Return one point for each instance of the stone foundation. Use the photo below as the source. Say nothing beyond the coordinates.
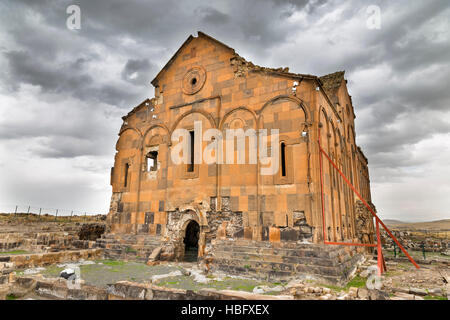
(283, 260)
(22, 261)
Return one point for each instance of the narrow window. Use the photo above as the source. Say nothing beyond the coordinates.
(127, 167)
(190, 167)
(152, 161)
(283, 159)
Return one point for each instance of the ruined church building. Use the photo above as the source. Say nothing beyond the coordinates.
(215, 207)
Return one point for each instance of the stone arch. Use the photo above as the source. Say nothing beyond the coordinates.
(162, 126)
(207, 115)
(287, 97)
(122, 134)
(179, 221)
(229, 113)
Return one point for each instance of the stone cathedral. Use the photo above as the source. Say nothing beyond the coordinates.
(230, 216)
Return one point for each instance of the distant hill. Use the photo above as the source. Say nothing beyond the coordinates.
(429, 225)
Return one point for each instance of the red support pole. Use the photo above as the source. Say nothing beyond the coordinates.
(361, 198)
(379, 254)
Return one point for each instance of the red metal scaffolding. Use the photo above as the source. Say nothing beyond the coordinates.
(381, 262)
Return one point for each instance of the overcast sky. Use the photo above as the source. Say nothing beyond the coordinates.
(63, 92)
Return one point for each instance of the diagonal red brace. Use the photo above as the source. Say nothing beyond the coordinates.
(378, 220)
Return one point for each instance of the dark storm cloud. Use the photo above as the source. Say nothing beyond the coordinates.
(212, 16)
(138, 71)
(25, 68)
(57, 60)
(66, 90)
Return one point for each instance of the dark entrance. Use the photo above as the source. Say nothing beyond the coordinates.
(191, 241)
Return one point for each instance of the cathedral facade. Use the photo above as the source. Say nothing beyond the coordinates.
(189, 205)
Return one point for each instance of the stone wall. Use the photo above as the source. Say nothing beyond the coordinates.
(283, 260)
(207, 82)
(22, 261)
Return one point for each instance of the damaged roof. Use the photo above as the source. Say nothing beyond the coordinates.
(331, 83)
(249, 64)
(140, 105)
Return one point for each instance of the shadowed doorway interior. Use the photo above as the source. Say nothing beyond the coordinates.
(191, 241)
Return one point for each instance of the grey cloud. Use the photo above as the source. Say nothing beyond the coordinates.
(212, 16)
(397, 76)
(56, 78)
(137, 71)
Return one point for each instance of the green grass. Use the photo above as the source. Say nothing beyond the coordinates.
(14, 252)
(357, 282)
(435, 298)
(111, 263)
(11, 297)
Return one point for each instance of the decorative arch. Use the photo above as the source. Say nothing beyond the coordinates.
(287, 97)
(125, 128)
(229, 113)
(121, 135)
(153, 127)
(207, 115)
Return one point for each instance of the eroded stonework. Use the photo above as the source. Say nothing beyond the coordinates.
(208, 82)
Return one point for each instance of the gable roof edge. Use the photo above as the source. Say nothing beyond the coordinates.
(154, 82)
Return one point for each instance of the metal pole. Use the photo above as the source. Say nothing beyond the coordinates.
(56, 217)
(379, 256)
(15, 212)
(71, 214)
(423, 250)
(370, 210)
(40, 209)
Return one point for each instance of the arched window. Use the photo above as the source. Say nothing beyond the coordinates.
(127, 168)
(152, 161)
(190, 166)
(283, 159)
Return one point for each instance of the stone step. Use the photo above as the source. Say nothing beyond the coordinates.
(311, 251)
(125, 245)
(267, 244)
(274, 275)
(282, 258)
(281, 266)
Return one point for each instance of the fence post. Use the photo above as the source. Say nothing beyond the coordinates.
(56, 217)
(40, 209)
(15, 212)
(71, 214)
(85, 216)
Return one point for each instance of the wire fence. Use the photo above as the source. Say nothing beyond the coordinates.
(43, 213)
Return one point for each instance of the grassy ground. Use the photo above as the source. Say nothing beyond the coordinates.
(357, 282)
(105, 272)
(418, 255)
(13, 252)
(188, 282)
(31, 217)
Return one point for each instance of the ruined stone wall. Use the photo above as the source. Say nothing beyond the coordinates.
(208, 82)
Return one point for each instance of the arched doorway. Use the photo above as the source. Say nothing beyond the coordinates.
(191, 241)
